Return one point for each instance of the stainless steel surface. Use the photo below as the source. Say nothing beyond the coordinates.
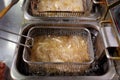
(109, 37)
(11, 21)
(6, 9)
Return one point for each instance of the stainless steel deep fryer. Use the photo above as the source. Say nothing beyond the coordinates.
(47, 68)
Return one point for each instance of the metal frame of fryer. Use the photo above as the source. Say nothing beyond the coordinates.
(17, 70)
(18, 73)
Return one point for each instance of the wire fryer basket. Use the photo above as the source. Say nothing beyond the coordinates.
(48, 68)
(34, 11)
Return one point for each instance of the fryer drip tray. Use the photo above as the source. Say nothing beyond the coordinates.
(104, 68)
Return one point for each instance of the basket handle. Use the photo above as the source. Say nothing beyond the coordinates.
(111, 57)
(110, 42)
(25, 45)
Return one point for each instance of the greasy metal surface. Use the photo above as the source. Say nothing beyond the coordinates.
(17, 70)
(6, 9)
(11, 21)
(109, 37)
